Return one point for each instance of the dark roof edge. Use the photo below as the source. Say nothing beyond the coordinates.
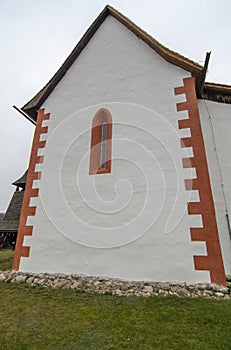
(21, 182)
(218, 87)
(217, 92)
(30, 107)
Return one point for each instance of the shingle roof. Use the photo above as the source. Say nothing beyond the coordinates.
(194, 68)
(11, 218)
(21, 182)
(217, 92)
(1, 216)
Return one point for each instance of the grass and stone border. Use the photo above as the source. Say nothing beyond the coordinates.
(115, 286)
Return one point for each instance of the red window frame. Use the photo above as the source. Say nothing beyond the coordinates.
(102, 116)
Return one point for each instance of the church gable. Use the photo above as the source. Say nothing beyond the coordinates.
(170, 56)
(124, 69)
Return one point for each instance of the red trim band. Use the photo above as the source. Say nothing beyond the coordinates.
(213, 261)
(27, 210)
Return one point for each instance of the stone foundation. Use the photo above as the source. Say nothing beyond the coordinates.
(115, 286)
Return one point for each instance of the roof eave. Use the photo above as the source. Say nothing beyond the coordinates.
(217, 92)
(36, 102)
(21, 182)
(219, 87)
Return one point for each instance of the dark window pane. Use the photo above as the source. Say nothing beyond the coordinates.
(103, 146)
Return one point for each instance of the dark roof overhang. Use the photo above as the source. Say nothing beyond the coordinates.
(217, 92)
(21, 182)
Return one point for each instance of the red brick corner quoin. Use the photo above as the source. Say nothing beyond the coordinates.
(213, 261)
(27, 210)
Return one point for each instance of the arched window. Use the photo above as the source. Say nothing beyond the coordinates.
(100, 156)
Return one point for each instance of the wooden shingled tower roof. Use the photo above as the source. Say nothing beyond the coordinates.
(10, 220)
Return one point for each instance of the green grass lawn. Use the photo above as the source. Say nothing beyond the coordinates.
(41, 318)
(6, 258)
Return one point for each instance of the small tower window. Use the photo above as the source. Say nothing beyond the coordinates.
(100, 155)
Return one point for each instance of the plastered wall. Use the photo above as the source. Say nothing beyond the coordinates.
(216, 125)
(132, 223)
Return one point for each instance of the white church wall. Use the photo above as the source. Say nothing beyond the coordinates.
(132, 223)
(216, 126)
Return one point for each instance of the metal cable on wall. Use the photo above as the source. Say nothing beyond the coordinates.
(219, 167)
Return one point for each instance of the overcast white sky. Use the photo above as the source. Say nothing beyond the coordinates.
(36, 37)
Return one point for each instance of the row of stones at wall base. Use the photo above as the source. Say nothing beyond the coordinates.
(116, 286)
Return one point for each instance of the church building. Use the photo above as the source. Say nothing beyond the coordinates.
(130, 173)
